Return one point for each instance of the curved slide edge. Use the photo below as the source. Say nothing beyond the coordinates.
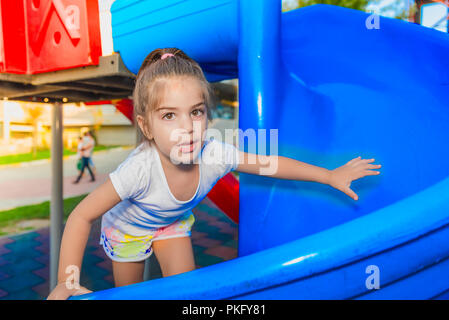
(209, 32)
(414, 225)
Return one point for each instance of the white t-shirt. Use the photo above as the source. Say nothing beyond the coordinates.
(88, 141)
(147, 203)
(79, 152)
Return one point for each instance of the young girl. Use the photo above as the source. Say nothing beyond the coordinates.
(146, 202)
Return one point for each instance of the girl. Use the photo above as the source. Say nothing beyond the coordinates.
(146, 202)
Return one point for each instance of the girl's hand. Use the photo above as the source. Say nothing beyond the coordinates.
(61, 292)
(341, 177)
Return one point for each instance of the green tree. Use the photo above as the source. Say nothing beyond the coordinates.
(400, 9)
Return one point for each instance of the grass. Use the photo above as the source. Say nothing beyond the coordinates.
(8, 218)
(41, 154)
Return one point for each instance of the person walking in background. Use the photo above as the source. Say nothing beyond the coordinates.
(79, 154)
(86, 152)
(90, 139)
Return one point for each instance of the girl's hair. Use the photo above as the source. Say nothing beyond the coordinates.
(147, 91)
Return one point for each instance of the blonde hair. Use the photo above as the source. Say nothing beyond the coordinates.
(147, 91)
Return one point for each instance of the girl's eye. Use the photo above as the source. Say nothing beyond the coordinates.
(197, 112)
(168, 116)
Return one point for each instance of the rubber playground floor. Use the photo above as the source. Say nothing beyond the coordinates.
(25, 260)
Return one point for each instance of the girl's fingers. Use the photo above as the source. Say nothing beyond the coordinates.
(371, 172)
(360, 160)
(365, 162)
(351, 193)
(373, 166)
(353, 160)
(81, 291)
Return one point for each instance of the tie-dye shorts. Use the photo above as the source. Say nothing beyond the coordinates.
(122, 247)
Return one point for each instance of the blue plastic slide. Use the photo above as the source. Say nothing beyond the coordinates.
(336, 83)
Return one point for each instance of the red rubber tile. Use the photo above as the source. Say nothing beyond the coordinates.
(42, 289)
(219, 224)
(44, 248)
(198, 234)
(105, 264)
(206, 242)
(3, 293)
(43, 273)
(4, 250)
(226, 253)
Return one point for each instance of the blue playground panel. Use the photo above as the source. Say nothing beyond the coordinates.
(335, 90)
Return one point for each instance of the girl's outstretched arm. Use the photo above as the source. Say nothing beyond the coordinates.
(75, 237)
(287, 168)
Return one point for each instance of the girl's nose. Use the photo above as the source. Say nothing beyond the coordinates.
(187, 124)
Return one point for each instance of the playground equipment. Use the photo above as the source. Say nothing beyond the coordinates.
(335, 90)
(43, 36)
(434, 13)
(50, 51)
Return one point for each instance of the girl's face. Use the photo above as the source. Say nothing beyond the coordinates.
(178, 123)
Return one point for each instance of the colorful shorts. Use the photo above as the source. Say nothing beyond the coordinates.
(122, 247)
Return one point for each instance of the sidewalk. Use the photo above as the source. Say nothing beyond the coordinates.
(24, 258)
(30, 182)
(48, 161)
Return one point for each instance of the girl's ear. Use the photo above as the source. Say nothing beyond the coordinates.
(143, 128)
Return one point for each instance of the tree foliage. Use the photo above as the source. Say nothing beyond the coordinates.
(400, 9)
(353, 4)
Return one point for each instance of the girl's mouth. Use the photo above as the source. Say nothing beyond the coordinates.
(187, 148)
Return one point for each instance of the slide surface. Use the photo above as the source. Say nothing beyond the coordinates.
(342, 90)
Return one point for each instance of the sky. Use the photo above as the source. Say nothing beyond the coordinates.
(376, 7)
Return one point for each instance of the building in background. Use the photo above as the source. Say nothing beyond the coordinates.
(24, 125)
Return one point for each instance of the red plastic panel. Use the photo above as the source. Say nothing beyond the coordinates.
(225, 195)
(125, 106)
(48, 35)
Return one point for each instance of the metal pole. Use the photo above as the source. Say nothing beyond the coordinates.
(56, 203)
(147, 270)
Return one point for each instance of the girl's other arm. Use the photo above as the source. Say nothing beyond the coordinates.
(75, 237)
(287, 168)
